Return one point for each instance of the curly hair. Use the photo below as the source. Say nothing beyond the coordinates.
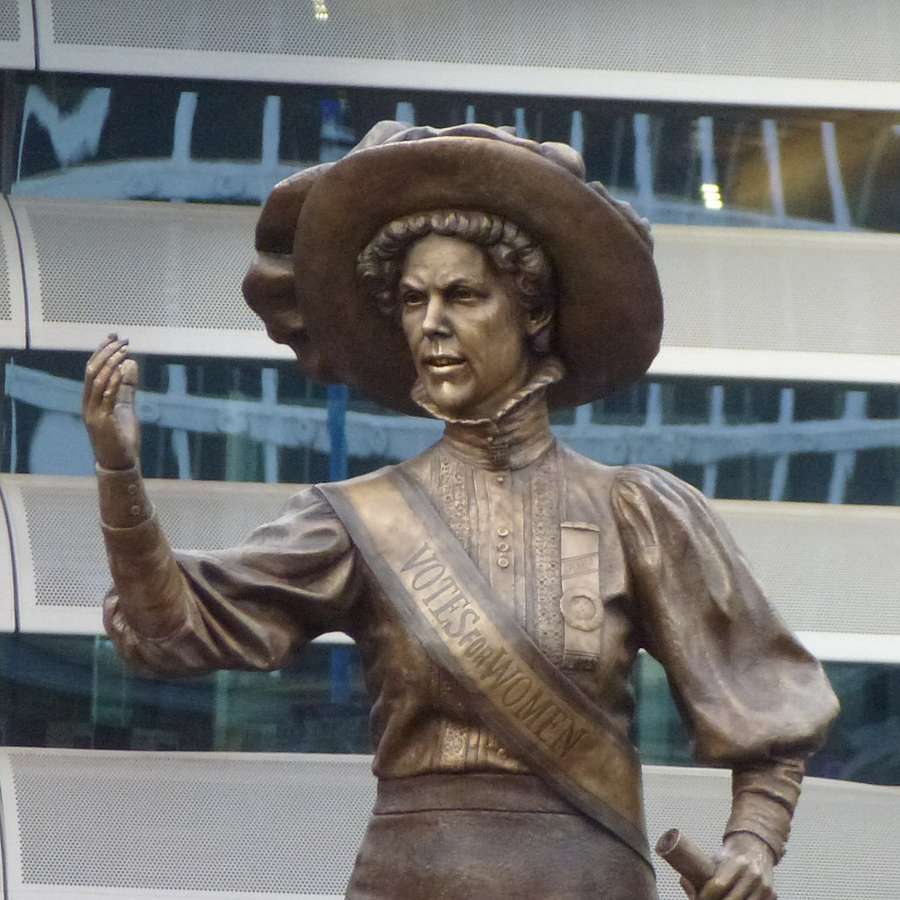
(510, 250)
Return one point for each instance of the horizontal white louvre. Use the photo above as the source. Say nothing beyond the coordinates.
(186, 825)
(167, 275)
(740, 302)
(778, 303)
(81, 824)
(840, 837)
(831, 571)
(12, 286)
(60, 560)
(16, 34)
(765, 53)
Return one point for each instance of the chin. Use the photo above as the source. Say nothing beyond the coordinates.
(450, 403)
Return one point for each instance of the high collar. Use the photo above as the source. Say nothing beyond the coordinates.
(514, 436)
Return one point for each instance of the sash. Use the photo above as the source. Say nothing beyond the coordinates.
(445, 601)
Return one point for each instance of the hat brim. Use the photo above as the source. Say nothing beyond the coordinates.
(609, 316)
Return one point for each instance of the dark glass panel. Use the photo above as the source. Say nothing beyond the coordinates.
(228, 123)
(760, 166)
(809, 477)
(863, 745)
(75, 692)
(140, 121)
(727, 439)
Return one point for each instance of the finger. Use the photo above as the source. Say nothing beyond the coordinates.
(99, 359)
(748, 887)
(124, 400)
(101, 380)
(688, 888)
(103, 352)
(130, 372)
(129, 381)
(748, 884)
(111, 391)
(718, 887)
(105, 372)
(762, 892)
(95, 363)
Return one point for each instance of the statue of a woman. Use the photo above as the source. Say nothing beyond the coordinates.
(499, 586)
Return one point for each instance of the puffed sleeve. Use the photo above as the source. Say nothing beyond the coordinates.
(746, 687)
(750, 694)
(250, 607)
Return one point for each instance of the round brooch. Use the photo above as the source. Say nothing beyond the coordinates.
(581, 609)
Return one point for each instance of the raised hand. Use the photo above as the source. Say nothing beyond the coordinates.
(107, 405)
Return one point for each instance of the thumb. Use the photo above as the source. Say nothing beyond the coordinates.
(124, 408)
(129, 382)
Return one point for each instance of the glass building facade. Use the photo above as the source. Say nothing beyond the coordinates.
(167, 140)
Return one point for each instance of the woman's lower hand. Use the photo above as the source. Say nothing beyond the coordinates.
(744, 871)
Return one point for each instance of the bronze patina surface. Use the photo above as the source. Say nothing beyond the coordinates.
(499, 586)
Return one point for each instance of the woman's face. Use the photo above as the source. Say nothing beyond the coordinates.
(466, 330)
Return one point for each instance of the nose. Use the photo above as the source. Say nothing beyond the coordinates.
(435, 321)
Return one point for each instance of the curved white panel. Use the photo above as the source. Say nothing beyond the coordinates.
(187, 825)
(12, 286)
(841, 837)
(79, 824)
(16, 34)
(60, 559)
(831, 571)
(767, 53)
(740, 302)
(167, 275)
(746, 302)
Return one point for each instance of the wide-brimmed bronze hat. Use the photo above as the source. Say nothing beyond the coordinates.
(609, 314)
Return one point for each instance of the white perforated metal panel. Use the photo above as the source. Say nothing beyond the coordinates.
(747, 302)
(61, 566)
(167, 275)
(86, 823)
(841, 53)
(740, 302)
(16, 34)
(842, 842)
(833, 572)
(12, 286)
(174, 825)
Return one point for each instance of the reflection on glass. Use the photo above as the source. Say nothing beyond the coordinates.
(864, 743)
(229, 142)
(75, 692)
(219, 419)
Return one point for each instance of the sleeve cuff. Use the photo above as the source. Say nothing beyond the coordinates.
(763, 801)
(123, 501)
(134, 540)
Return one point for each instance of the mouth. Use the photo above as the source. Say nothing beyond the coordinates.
(443, 362)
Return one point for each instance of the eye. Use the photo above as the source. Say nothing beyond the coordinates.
(412, 298)
(461, 293)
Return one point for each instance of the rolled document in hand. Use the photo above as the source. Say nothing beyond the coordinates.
(686, 857)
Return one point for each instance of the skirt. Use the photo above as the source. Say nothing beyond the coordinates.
(490, 837)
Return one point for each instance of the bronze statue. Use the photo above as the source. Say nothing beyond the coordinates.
(498, 586)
